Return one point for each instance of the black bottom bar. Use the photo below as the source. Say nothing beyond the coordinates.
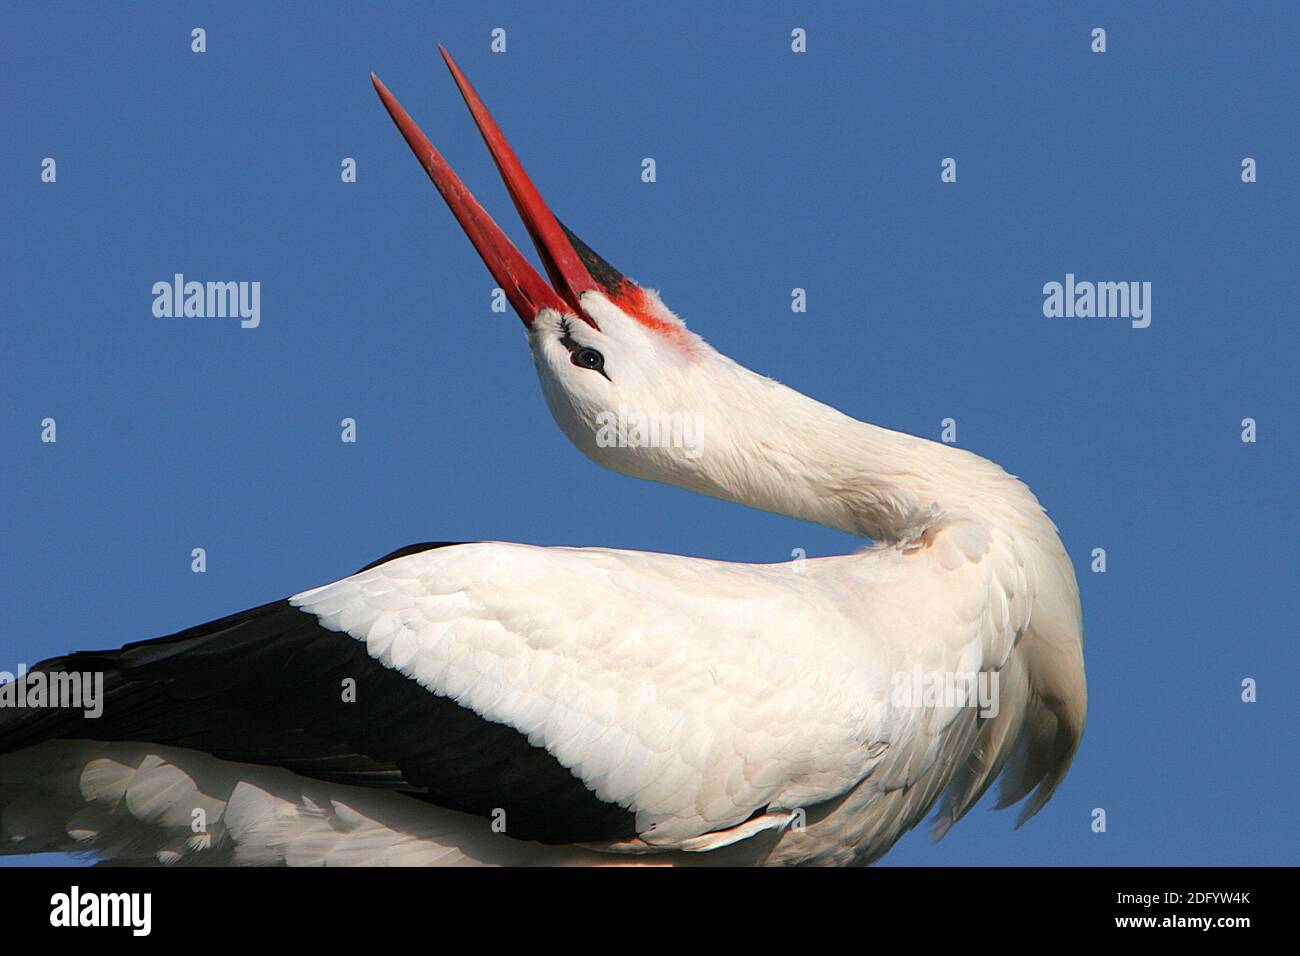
(434, 907)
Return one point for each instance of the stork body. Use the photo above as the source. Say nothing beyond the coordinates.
(503, 703)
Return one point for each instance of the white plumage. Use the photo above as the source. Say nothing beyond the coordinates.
(695, 692)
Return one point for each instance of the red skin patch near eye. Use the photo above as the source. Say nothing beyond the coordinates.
(627, 295)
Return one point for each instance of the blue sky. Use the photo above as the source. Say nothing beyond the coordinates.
(774, 171)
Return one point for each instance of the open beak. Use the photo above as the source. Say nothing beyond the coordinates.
(527, 291)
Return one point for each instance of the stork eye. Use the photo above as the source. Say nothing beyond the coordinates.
(588, 358)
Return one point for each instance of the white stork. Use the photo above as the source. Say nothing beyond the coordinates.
(495, 703)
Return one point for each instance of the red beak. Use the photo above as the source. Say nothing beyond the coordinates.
(527, 291)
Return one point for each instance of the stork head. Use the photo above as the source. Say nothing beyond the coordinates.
(639, 394)
(623, 377)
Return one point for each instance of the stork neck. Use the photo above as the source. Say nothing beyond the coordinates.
(810, 461)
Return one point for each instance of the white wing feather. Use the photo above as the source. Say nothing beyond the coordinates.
(745, 712)
(699, 692)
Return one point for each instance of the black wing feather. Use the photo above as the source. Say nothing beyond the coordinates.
(265, 686)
